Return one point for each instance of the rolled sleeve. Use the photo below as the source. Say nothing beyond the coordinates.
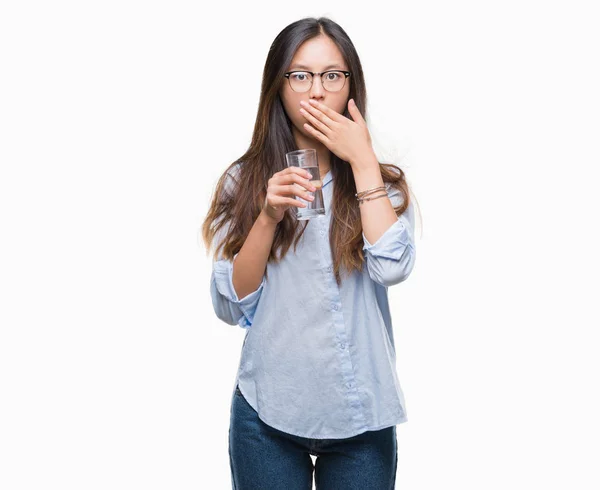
(226, 303)
(391, 258)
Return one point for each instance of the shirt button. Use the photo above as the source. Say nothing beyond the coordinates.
(322, 233)
(329, 269)
(342, 345)
(334, 306)
(349, 385)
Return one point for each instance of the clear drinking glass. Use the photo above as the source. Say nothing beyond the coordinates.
(307, 160)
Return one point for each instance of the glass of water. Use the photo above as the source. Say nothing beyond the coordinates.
(307, 160)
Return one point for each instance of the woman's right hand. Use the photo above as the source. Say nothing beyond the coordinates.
(283, 185)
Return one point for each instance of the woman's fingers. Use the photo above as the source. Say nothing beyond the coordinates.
(277, 200)
(292, 181)
(297, 190)
(299, 176)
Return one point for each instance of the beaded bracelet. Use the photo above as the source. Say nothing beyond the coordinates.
(369, 191)
(360, 200)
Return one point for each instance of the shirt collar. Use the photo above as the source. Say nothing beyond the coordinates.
(328, 178)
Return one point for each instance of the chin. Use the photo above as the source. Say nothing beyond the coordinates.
(305, 132)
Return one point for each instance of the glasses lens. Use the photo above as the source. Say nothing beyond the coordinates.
(333, 80)
(300, 81)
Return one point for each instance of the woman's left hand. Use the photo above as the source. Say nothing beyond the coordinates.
(348, 139)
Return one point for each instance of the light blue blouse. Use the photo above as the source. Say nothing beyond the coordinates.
(319, 360)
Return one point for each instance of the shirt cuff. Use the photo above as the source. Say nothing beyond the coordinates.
(392, 244)
(224, 281)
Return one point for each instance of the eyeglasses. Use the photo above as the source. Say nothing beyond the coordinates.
(332, 80)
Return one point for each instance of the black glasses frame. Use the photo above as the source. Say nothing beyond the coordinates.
(312, 74)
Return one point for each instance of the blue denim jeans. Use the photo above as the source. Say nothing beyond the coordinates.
(264, 458)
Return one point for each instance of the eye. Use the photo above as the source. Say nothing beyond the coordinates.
(300, 76)
(333, 76)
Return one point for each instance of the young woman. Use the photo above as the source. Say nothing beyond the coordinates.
(317, 372)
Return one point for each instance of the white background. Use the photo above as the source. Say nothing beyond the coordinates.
(116, 120)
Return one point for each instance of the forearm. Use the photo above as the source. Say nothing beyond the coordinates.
(376, 215)
(250, 263)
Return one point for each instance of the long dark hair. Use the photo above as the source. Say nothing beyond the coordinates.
(272, 139)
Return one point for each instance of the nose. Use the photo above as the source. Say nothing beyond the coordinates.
(316, 90)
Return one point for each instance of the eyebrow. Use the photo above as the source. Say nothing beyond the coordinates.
(304, 67)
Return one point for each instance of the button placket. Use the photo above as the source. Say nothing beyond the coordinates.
(340, 342)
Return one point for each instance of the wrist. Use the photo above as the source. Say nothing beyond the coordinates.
(368, 179)
(266, 220)
(364, 163)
